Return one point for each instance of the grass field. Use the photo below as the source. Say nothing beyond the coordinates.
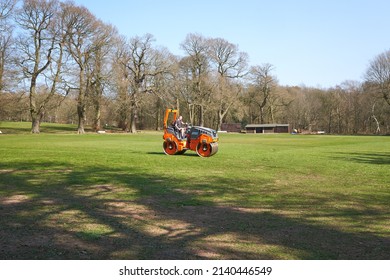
(118, 196)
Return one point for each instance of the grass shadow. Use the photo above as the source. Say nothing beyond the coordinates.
(370, 158)
(127, 213)
(49, 128)
(187, 153)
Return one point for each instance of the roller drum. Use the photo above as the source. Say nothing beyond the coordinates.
(214, 148)
(207, 149)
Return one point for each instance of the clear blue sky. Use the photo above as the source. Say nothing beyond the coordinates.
(316, 43)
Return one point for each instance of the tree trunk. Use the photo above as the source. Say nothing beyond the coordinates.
(378, 129)
(330, 123)
(201, 115)
(134, 115)
(221, 114)
(261, 115)
(123, 124)
(133, 122)
(191, 110)
(35, 124)
(81, 104)
(158, 114)
(220, 120)
(2, 62)
(82, 118)
(271, 113)
(98, 92)
(178, 104)
(123, 114)
(158, 120)
(97, 117)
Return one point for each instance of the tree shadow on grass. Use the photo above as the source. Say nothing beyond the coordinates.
(96, 213)
(370, 158)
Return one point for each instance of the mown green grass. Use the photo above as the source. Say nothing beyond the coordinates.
(260, 197)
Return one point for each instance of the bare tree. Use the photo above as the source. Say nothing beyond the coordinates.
(120, 83)
(6, 39)
(143, 64)
(231, 66)
(195, 71)
(378, 75)
(263, 85)
(98, 71)
(82, 29)
(136, 61)
(40, 46)
(163, 86)
(298, 112)
(6, 8)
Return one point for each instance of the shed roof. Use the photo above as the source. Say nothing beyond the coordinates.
(265, 125)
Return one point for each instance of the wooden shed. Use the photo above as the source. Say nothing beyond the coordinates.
(268, 128)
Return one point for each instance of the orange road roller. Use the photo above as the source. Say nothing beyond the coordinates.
(202, 140)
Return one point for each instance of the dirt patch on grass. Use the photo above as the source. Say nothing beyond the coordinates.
(6, 171)
(14, 199)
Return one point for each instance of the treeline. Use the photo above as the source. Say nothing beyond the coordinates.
(59, 63)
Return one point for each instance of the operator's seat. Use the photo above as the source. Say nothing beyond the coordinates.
(172, 129)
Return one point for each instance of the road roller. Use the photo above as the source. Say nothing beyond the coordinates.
(202, 140)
